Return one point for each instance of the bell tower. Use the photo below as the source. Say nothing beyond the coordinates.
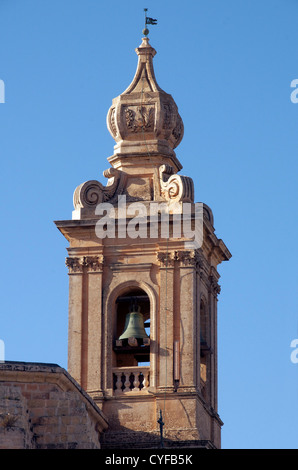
(143, 281)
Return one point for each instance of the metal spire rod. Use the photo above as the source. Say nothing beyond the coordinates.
(148, 21)
(145, 10)
(161, 425)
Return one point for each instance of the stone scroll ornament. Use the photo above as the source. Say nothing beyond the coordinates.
(175, 188)
(91, 193)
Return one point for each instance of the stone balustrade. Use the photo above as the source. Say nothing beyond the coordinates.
(131, 379)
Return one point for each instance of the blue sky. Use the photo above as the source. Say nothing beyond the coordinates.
(229, 66)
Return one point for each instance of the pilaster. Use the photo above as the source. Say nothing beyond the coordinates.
(85, 320)
(94, 270)
(166, 319)
(75, 267)
(214, 290)
(188, 324)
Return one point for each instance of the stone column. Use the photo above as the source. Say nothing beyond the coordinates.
(166, 320)
(75, 267)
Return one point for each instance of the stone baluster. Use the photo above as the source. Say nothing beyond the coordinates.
(123, 380)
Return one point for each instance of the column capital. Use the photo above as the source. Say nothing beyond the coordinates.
(94, 263)
(187, 258)
(166, 259)
(76, 265)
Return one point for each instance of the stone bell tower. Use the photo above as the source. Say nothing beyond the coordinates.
(125, 258)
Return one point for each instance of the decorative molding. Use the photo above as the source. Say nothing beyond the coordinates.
(208, 275)
(77, 264)
(135, 267)
(213, 282)
(139, 118)
(167, 113)
(94, 263)
(111, 118)
(207, 214)
(74, 265)
(188, 258)
(203, 268)
(173, 187)
(185, 257)
(166, 259)
(178, 131)
(214, 286)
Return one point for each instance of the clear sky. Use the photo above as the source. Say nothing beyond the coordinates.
(229, 66)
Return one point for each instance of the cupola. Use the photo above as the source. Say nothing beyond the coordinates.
(144, 113)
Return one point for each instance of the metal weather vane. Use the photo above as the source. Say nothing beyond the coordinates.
(148, 20)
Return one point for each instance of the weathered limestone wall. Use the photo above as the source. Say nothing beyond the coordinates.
(15, 429)
(42, 407)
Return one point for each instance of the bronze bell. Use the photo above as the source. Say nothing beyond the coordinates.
(134, 325)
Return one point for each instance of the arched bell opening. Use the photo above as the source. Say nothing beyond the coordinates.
(132, 329)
